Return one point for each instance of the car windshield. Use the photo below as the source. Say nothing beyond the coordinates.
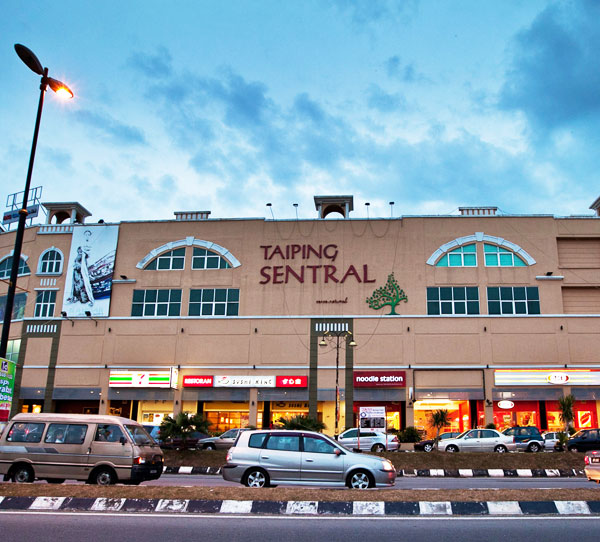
(139, 435)
(462, 434)
(579, 434)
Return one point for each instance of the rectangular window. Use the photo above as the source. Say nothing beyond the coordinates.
(496, 256)
(513, 300)
(156, 303)
(453, 300)
(214, 302)
(45, 304)
(12, 350)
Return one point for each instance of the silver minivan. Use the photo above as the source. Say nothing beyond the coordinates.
(269, 457)
(97, 449)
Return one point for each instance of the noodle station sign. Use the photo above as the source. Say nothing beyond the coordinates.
(308, 263)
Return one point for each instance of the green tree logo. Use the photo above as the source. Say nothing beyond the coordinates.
(391, 294)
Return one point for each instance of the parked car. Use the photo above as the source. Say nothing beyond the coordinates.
(267, 457)
(369, 440)
(527, 437)
(550, 440)
(583, 441)
(429, 444)
(154, 432)
(191, 442)
(479, 440)
(222, 442)
(592, 466)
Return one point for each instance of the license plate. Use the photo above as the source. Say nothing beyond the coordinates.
(153, 471)
(595, 459)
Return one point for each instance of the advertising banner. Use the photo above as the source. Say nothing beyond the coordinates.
(7, 383)
(372, 417)
(89, 276)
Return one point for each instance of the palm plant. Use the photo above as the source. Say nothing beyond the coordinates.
(439, 419)
(183, 425)
(301, 422)
(566, 414)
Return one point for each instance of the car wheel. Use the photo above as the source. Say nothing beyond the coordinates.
(428, 447)
(534, 447)
(378, 448)
(452, 448)
(573, 449)
(55, 480)
(360, 479)
(256, 478)
(103, 477)
(210, 447)
(500, 449)
(23, 474)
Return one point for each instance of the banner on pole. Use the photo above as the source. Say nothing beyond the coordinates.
(7, 384)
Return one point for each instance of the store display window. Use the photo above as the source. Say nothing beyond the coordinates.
(509, 413)
(460, 419)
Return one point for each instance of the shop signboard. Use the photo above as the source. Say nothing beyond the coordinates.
(372, 416)
(144, 379)
(547, 377)
(379, 379)
(7, 383)
(245, 381)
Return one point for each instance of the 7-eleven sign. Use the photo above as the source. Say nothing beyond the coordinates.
(144, 379)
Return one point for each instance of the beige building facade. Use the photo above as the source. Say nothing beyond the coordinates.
(491, 317)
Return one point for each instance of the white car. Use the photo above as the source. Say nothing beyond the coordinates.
(372, 440)
(479, 440)
(550, 439)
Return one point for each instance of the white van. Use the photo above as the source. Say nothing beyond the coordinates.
(97, 449)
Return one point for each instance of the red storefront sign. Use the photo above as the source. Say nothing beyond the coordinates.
(291, 381)
(379, 379)
(208, 381)
(195, 381)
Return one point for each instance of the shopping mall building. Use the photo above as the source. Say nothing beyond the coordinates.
(492, 317)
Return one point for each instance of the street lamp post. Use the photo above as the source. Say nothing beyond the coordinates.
(32, 62)
(335, 338)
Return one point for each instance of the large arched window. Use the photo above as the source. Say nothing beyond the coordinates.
(51, 262)
(498, 252)
(6, 266)
(206, 255)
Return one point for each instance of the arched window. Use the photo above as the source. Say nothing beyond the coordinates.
(51, 262)
(173, 259)
(498, 252)
(496, 256)
(207, 259)
(465, 256)
(6, 266)
(206, 255)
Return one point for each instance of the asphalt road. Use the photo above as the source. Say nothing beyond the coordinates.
(91, 527)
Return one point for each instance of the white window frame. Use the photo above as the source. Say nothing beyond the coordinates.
(45, 308)
(41, 262)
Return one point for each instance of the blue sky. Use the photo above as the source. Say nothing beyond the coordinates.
(225, 106)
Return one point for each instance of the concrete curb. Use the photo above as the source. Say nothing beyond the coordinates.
(442, 473)
(303, 508)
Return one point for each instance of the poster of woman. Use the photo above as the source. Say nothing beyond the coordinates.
(89, 275)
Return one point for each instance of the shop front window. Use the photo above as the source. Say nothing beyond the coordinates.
(459, 414)
(585, 415)
(222, 421)
(508, 414)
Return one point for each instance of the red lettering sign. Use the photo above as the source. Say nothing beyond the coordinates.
(197, 381)
(379, 379)
(291, 381)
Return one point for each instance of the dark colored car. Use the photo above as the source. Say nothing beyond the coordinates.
(584, 440)
(428, 445)
(177, 443)
(527, 437)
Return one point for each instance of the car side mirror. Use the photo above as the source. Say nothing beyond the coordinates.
(123, 440)
(337, 451)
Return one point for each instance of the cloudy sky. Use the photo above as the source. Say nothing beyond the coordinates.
(229, 105)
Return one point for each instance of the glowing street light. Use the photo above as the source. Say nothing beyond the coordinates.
(33, 63)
